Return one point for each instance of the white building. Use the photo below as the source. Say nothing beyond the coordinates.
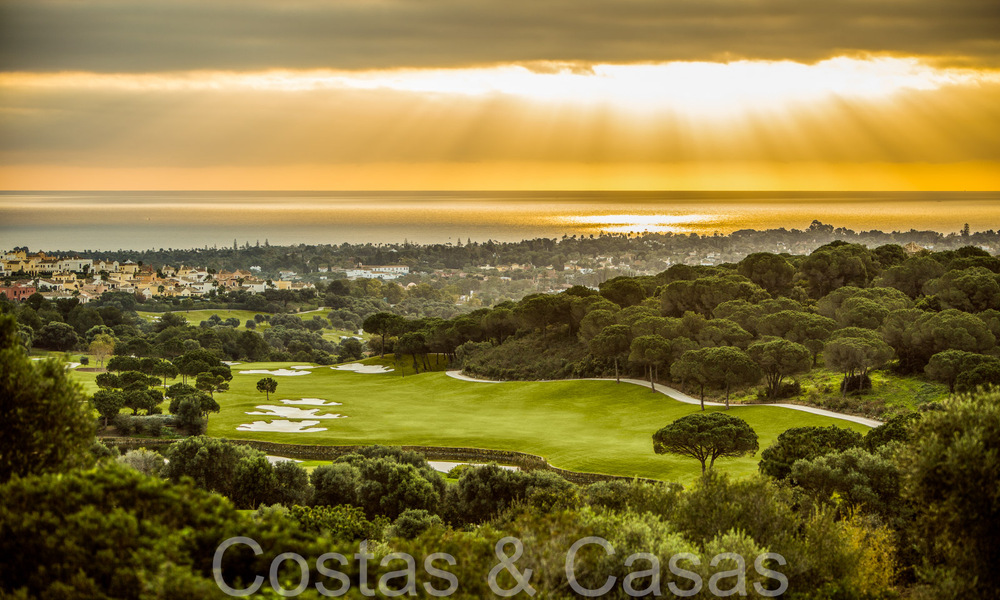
(76, 264)
(384, 272)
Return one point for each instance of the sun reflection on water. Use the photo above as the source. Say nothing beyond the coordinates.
(638, 223)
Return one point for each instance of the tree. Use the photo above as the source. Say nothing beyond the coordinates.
(861, 312)
(779, 359)
(985, 375)
(807, 329)
(268, 386)
(804, 443)
(47, 424)
(707, 437)
(166, 370)
(210, 383)
(889, 299)
(144, 399)
(131, 534)
(889, 255)
(168, 320)
(836, 265)
(191, 407)
(650, 351)
(211, 463)
(198, 360)
(350, 349)
(412, 343)
(948, 365)
(726, 367)
(895, 429)
(770, 271)
(293, 486)
(855, 476)
(972, 290)
(613, 342)
(123, 363)
(910, 276)
(623, 291)
(383, 324)
(594, 322)
(102, 347)
(916, 335)
(691, 368)
(334, 484)
(950, 476)
(57, 336)
(254, 482)
(704, 294)
(108, 403)
(855, 357)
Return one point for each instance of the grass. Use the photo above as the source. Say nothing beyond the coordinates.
(195, 317)
(890, 393)
(592, 426)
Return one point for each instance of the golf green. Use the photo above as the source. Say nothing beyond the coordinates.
(589, 426)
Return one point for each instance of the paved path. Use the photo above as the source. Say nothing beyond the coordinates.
(682, 397)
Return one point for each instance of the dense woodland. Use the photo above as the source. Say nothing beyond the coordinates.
(909, 507)
(541, 252)
(763, 321)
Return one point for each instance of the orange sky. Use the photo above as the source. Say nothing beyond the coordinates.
(171, 105)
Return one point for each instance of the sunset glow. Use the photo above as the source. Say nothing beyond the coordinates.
(389, 111)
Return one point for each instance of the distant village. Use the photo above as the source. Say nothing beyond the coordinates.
(86, 279)
(476, 274)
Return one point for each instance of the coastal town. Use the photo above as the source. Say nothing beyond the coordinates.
(57, 277)
(474, 274)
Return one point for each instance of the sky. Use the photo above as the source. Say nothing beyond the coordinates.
(494, 95)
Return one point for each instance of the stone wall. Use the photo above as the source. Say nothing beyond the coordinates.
(527, 462)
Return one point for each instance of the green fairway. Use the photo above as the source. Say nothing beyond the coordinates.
(591, 426)
(195, 317)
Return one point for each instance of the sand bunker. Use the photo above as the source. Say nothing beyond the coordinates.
(231, 363)
(444, 466)
(282, 426)
(360, 368)
(69, 365)
(277, 372)
(280, 459)
(291, 412)
(311, 402)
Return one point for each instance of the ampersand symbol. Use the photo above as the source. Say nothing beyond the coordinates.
(507, 564)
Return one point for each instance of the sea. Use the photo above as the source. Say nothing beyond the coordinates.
(81, 220)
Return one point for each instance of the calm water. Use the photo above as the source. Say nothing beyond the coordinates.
(138, 220)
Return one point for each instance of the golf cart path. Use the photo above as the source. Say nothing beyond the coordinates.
(682, 397)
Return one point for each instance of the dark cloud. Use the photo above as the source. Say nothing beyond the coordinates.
(167, 35)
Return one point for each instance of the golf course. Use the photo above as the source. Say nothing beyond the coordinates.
(588, 426)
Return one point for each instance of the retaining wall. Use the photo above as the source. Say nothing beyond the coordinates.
(525, 461)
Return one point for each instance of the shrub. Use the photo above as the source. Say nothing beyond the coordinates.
(856, 384)
(293, 487)
(145, 461)
(152, 427)
(635, 496)
(101, 451)
(334, 484)
(412, 522)
(805, 443)
(339, 522)
(124, 424)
